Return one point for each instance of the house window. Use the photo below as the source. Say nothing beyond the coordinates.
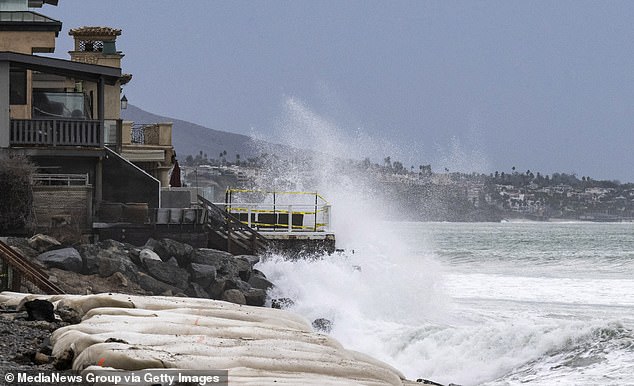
(17, 86)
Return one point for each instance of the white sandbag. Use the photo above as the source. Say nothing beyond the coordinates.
(193, 315)
(126, 357)
(258, 346)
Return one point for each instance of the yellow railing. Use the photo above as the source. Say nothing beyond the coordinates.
(275, 213)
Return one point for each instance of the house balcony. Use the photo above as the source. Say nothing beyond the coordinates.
(57, 119)
(150, 147)
(147, 142)
(56, 132)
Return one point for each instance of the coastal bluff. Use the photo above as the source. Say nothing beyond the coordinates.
(258, 346)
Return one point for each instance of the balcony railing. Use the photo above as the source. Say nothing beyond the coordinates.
(56, 132)
(145, 134)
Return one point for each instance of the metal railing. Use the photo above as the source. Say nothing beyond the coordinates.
(60, 179)
(237, 236)
(21, 268)
(145, 134)
(281, 218)
(279, 211)
(56, 132)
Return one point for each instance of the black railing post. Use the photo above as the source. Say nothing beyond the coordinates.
(229, 240)
(53, 132)
(101, 132)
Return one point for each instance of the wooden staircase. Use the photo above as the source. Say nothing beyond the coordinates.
(227, 232)
(20, 268)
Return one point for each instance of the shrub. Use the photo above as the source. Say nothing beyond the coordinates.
(16, 193)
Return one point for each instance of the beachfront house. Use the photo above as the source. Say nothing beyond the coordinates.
(65, 115)
(96, 173)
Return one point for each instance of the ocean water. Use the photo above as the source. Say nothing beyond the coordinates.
(482, 303)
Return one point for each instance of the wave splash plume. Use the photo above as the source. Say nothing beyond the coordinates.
(438, 316)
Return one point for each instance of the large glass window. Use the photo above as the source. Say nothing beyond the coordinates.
(17, 86)
(59, 105)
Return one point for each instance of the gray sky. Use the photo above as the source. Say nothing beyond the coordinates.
(469, 85)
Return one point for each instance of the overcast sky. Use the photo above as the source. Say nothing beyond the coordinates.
(468, 85)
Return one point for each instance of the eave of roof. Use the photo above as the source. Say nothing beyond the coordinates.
(28, 21)
(38, 4)
(77, 70)
(94, 31)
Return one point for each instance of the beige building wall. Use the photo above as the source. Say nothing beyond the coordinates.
(112, 100)
(26, 43)
(91, 57)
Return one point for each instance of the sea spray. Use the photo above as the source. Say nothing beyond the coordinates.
(377, 291)
(372, 300)
(390, 295)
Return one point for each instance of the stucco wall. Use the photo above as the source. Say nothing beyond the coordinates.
(112, 100)
(27, 42)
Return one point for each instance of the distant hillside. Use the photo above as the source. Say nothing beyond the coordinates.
(190, 138)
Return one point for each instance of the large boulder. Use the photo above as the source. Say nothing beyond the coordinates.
(252, 259)
(43, 243)
(211, 257)
(118, 280)
(156, 287)
(227, 265)
(168, 248)
(109, 265)
(148, 254)
(243, 266)
(67, 259)
(196, 291)
(260, 282)
(90, 257)
(168, 273)
(135, 254)
(234, 296)
(202, 274)
(217, 288)
(236, 283)
(107, 257)
(255, 297)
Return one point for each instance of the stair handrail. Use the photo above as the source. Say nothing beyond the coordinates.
(27, 269)
(232, 222)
